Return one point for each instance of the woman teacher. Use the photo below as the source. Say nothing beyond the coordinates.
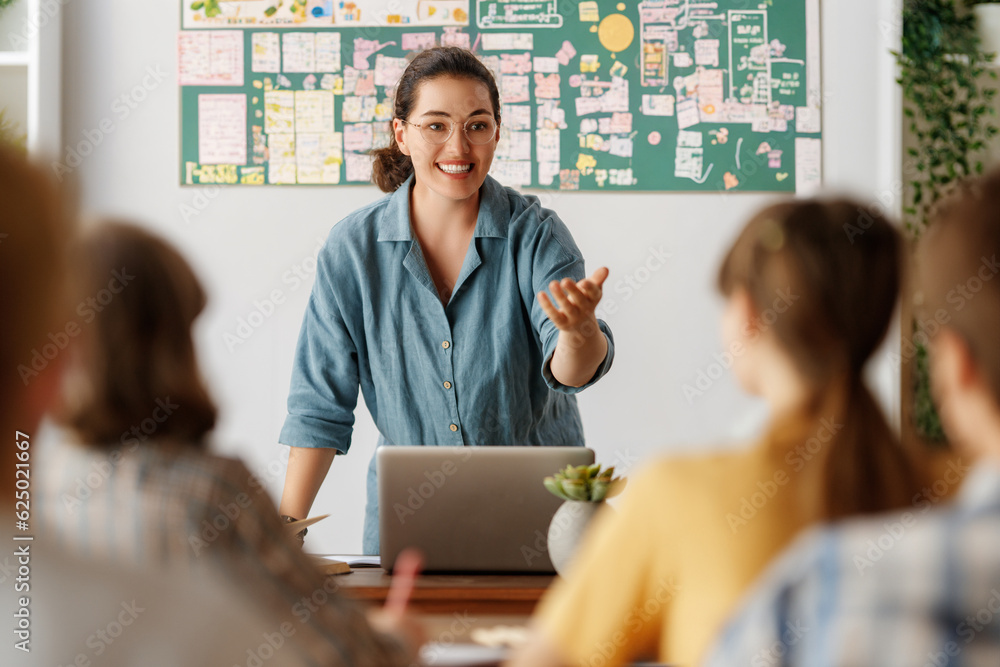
(433, 301)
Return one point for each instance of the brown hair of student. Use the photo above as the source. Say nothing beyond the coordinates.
(135, 376)
(843, 288)
(33, 236)
(960, 251)
(390, 167)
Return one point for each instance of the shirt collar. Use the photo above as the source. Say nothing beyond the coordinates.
(494, 212)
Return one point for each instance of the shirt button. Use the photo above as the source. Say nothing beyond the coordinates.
(447, 385)
(446, 345)
(453, 427)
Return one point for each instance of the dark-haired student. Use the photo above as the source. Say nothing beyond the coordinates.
(63, 610)
(919, 586)
(805, 310)
(433, 299)
(132, 483)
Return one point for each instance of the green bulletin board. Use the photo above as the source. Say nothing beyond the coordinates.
(656, 95)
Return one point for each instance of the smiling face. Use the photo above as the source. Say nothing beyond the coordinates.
(457, 168)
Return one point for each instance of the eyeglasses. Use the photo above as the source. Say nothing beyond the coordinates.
(478, 131)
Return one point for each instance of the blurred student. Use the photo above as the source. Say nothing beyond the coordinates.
(56, 605)
(919, 586)
(806, 308)
(136, 485)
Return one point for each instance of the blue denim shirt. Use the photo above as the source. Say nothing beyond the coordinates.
(474, 372)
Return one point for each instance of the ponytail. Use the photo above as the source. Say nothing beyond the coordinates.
(847, 447)
(390, 168)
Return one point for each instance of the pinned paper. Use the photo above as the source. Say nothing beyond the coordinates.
(587, 105)
(589, 63)
(314, 111)
(418, 41)
(298, 51)
(388, 70)
(683, 59)
(515, 63)
(687, 113)
(318, 158)
(690, 139)
(546, 65)
(621, 146)
(808, 165)
(763, 148)
(210, 58)
(688, 163)
(565, 53)
(706, 52)
(514, 89)
(507, 41)
(358, 109)
(514, 145)
(616, 97)
(589, 12)
(512, 172)
(279, 111)
(551, 116)
(281, 166)
(621, 123)
(658, 105)
(265, 49)
(585, 163)
(365, 86)
(358, 137)
(547, 172)
(516, 116)
(730, 181)
(547, 86)
(547, 146)
(365, 49)
(309, 83)
(222, 129)
(328, 52)
(569, 179)
(455, 37)
(358, 166)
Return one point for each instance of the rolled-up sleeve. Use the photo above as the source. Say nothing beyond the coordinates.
(325, 381)
(555, 256)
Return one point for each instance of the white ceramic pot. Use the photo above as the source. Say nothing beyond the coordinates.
(988, 18)
(567, 527)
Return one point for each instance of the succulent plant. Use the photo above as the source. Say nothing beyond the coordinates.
(586, 483)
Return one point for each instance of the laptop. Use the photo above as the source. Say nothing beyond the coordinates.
(470, 509)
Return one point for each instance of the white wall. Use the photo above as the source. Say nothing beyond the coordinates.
(243, 240)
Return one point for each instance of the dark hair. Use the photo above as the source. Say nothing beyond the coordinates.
(33, 306)
(843, 289)
(390, 167)
(958, 272)
(136, 353)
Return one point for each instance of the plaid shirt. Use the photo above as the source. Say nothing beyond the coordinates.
(914, 588)
(164, 505)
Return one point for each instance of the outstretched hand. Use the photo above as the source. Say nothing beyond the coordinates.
(575, 301)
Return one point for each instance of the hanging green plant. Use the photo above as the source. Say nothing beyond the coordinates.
(4, 4)
(941, 69)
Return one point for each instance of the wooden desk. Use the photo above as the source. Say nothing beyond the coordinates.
(477, 594)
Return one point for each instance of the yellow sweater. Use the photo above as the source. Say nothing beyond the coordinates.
(660, 574)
